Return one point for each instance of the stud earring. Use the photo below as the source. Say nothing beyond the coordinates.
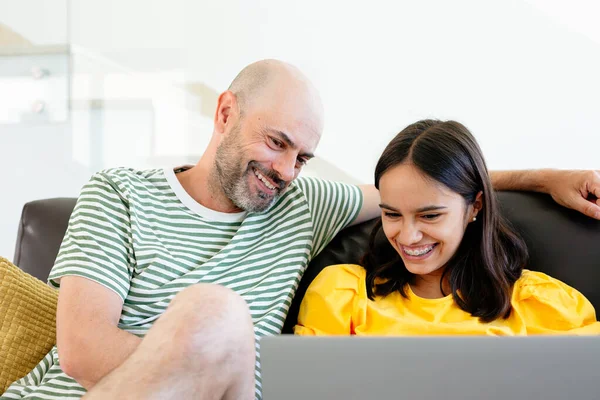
(474, 219)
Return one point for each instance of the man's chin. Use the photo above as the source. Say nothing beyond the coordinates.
(252, 198)
(265, 204)
(258, 204)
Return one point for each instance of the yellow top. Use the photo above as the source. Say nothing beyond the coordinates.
(336, 303)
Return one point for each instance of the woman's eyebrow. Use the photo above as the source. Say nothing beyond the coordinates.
(419, 210)
(431, 208)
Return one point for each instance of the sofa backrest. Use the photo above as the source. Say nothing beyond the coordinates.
(41, 230)
(562, 243)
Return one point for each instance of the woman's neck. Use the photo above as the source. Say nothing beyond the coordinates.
(428, 286)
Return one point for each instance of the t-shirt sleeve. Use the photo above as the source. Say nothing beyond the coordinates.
(549, 306)
(333, 205)
(330, 302)
(98, 241)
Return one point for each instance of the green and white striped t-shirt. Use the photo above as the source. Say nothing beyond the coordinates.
(141, 235)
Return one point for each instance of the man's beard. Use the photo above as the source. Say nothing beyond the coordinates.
(234, 178)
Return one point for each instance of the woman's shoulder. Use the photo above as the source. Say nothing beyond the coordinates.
(345, 270)
(549, 305)
(534, 284)
(346, 276)
(529, 278)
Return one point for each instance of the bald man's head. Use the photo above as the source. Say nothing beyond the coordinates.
(260, 149)
(258, 83)
(251, 81)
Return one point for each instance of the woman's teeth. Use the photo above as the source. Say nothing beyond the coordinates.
(264, 180)
(419, 252)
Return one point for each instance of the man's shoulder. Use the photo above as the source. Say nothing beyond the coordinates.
(308, 183)
(304, 188)
(315, 187)
(131, 174)
(124, 179)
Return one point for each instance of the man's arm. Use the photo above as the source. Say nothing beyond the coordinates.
(370, 207)
(90, 344)
(579, 190)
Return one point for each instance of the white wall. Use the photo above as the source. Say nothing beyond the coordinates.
(521, 74)
(36, 163)
(42, 22)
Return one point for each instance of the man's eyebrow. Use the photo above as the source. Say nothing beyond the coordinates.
(420, 210)
(283, 136)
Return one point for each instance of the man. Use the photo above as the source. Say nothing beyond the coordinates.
(166, 277)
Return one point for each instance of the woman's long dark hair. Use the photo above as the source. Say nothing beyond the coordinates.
(490, 257)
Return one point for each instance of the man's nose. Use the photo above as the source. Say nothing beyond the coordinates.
(286, 167)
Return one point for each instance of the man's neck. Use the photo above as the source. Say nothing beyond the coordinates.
(202, 186)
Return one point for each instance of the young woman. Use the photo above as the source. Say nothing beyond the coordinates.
(457, 266)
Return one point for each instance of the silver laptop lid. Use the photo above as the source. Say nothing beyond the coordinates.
(430, 368)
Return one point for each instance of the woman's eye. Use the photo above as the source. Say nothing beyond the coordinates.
(430, 217)
(389, 214)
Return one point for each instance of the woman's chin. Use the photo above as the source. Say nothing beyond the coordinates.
(421, 268)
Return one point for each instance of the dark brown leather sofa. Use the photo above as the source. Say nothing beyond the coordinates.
(562, 242)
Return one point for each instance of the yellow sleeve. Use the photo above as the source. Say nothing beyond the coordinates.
(549, 306)
(329, 302)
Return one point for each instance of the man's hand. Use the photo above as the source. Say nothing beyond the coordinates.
(579, 190)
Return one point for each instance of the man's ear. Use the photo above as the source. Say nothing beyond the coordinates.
(227, 111)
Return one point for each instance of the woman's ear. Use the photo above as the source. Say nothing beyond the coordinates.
(477, 204)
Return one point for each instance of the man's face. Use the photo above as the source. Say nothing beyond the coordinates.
(261, 155)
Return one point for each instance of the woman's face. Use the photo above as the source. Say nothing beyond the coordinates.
(423, 219)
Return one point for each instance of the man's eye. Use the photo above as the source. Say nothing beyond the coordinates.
(430, 217)
(301, 162)
(277, 143)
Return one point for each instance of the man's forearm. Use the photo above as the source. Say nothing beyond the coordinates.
(530, 180)
(98, 354)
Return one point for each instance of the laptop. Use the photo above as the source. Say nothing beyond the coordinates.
(430, 368)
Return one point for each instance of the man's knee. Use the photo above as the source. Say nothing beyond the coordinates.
(206, 302)
(211, 320)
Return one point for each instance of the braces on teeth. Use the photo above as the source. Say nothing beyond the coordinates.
(418, 252)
